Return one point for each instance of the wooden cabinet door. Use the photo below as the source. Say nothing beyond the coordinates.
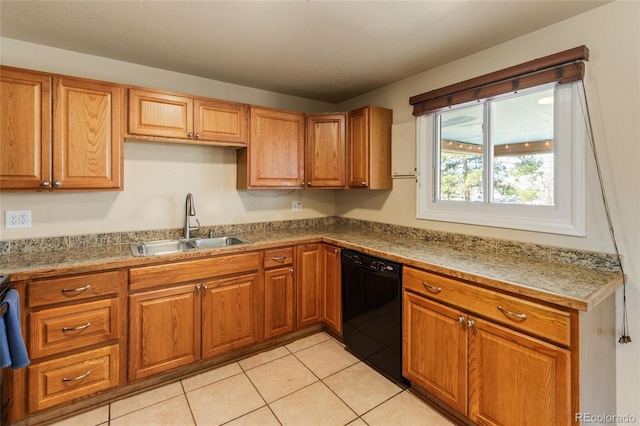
(309, 295)
(516, 379)
(370, 148)
(434, 345)
(325, 151)
(276, 149)
(164, 330)
(331, 280)
(220, 121)
(87, 141)
(230, 314)
(25, 129)
(359, 148)
(278, 301)
(160, 114)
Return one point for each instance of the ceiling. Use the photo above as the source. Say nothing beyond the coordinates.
(328, 51)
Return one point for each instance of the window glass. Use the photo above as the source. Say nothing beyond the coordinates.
(520, 143)
(461, 154)
(523, 150)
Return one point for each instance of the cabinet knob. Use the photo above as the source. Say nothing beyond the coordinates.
(336, 251)
(197, 135)
(198, 287)
(460, 319)
(308, 183)
(44, 184)
(56, 184)
(363, 183)
(471, 323)
(190, 134)
(291, 270)
(301, 183)
(205, 287)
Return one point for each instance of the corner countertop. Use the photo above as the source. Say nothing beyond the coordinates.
(565, 285)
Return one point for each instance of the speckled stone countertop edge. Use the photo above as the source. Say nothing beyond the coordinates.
(565, 285)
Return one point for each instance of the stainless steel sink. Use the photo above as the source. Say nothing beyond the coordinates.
(155, 248)
(216, 242)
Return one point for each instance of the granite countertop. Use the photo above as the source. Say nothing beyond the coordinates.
(566, 285)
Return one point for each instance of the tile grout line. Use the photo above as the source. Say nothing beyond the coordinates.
(268, 405)
(184, 392)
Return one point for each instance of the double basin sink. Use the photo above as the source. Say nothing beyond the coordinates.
(154, 248)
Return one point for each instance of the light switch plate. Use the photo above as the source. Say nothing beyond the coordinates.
(296, 206)
(14, 219)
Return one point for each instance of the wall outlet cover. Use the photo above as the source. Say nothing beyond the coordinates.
(296, 206)
(14, 219)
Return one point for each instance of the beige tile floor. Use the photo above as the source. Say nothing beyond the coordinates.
(311, 381)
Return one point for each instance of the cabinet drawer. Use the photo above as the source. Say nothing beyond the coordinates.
(521, 314)
(75, 376)
(73, 288)
(278, 257)
(171, 273)
(72, 327)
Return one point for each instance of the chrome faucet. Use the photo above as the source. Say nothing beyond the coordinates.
(190, 210)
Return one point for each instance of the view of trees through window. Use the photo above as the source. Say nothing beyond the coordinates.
(521, 143)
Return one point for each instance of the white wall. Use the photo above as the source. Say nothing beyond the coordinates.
(157, 176)
(612, 34)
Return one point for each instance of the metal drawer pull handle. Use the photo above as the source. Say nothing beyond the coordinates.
(80, 377)
(431, 288)
(80, 327)
(512, 314)
(69, 290)
(279, 258)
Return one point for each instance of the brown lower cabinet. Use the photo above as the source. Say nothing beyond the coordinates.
(76, 340)
(500, 359)
(492, 374)
(331, 288)
(309, 292)
(279, 291)
(175, 325)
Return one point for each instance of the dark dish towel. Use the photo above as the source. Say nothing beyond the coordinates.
(13, 352)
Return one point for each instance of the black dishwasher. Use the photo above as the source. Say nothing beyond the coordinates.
(372, 311)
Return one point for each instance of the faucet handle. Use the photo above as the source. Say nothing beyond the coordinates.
(195, 228)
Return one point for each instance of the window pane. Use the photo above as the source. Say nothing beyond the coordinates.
(461, 154)
(523, 151)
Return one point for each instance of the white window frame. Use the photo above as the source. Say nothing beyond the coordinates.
(566, 217)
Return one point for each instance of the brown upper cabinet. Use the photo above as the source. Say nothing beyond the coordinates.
(172, 117)
(369, 140)
(76, 145)
(275, 155)
(326, 151)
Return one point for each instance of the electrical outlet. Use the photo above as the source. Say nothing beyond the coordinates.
(296, 206)
(14, 219)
